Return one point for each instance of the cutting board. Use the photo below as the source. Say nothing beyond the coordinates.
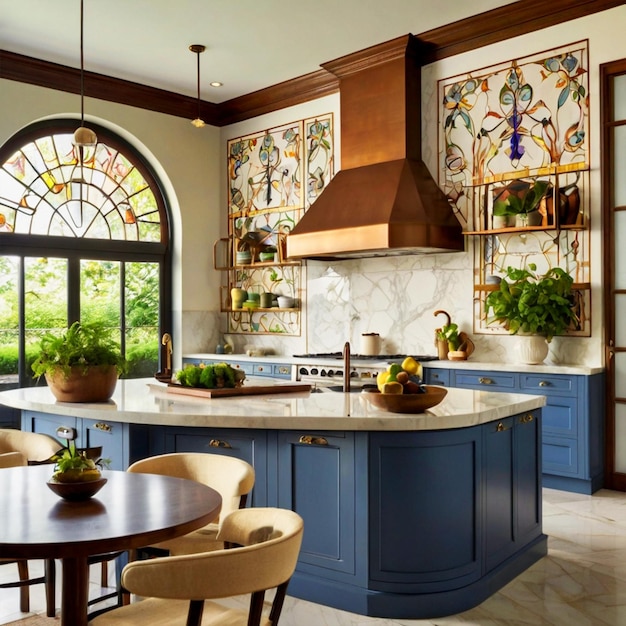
(225, 392)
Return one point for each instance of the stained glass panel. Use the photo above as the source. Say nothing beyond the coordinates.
(49, 187)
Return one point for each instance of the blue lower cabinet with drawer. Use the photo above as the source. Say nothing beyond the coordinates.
(573, 419)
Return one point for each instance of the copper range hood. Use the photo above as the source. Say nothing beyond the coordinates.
(383, 201)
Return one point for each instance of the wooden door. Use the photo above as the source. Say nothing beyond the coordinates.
(613, 150)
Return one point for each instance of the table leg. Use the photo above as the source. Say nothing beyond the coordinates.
(75, 591)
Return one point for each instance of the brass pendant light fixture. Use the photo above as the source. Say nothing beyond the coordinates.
(198, 49)
(83, 137)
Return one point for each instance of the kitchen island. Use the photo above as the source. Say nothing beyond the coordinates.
(406, 516)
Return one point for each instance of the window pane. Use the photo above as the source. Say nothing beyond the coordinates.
(45, 301)
(619, 98)
(619, 164)
(9, 322)
(142, 318)
(100, 294)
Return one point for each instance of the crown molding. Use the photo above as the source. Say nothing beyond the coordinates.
(512, 20)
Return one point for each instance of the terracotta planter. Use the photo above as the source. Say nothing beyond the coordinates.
(96, 385)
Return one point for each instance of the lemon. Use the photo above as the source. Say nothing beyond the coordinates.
(411, 366)
(381, 379)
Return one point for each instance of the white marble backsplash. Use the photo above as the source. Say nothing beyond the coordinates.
(395, 297)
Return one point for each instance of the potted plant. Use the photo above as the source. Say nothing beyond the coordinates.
(534, 305)
(81, 364)
(522, 200)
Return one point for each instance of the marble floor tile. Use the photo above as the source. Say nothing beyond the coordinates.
(581, 582)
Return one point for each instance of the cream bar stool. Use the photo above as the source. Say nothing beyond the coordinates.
(178, 589)
(231, 477)
(17, 458)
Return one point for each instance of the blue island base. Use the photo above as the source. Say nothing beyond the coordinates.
(416, 605)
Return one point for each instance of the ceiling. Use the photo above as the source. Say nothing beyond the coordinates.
(251, 44)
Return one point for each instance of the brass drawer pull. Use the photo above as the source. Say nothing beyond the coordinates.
(315, 441)
(283, 370)
(485, 381)
(544, 383)
(526, 419)
(217, 443)
(103, 427)
(500, 428)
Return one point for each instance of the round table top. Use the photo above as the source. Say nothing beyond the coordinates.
(131, 510)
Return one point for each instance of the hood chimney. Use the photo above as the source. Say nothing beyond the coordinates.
(383, 201)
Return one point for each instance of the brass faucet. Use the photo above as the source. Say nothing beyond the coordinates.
(346, 367)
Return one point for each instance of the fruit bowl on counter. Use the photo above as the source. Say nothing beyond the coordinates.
(406, 402)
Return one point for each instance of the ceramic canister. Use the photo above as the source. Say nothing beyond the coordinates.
(370, 344)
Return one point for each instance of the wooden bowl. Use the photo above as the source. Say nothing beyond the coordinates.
(76, 491)
(407, 402)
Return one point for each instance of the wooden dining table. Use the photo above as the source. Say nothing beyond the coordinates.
(131, 510)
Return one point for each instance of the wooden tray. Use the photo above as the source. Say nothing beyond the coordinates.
(226, 392)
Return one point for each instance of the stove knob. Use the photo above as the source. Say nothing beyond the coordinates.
(314, 371)
(323, 373)
(353, 374)
(303, 371)
(339, 372)
(331, 372)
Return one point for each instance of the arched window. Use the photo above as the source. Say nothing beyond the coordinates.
(84, 235)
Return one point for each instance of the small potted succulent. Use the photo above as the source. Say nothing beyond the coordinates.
(81, 364)
(76, 476)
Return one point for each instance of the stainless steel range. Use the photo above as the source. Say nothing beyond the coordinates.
(327, 369)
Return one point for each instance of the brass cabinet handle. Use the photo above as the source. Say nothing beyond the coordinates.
(283, 370)
(217, 443)
(485, 381)
(544, 383)
(311, 440)
(260, 368)
(500, 428)
(103, 427)
(526, 419)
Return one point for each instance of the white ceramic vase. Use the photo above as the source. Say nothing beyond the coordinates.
(532, 349)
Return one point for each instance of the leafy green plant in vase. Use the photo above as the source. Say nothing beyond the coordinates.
(521, 200)
(81, 364)
(529, 304)
(76, 476)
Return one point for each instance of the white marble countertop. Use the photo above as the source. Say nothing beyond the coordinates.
(470, 364)
(146, 401)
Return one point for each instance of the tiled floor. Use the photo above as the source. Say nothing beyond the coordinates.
(581, 582)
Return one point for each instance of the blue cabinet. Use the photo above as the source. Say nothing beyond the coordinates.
(247, 444)
(316, 477)
(113, 437)
(573, 419)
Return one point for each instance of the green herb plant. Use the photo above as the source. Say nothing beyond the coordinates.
(450, 334)
(528, 303)
(81, 345)
(215, 376)
(523, 204)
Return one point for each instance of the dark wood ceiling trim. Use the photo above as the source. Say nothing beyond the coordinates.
(63, 78)
(512, 20)
(291, 92)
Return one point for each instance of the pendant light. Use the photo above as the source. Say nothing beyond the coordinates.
(83, 137)
(198, 49)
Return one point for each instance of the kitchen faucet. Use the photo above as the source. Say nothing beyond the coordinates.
(346, 367)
